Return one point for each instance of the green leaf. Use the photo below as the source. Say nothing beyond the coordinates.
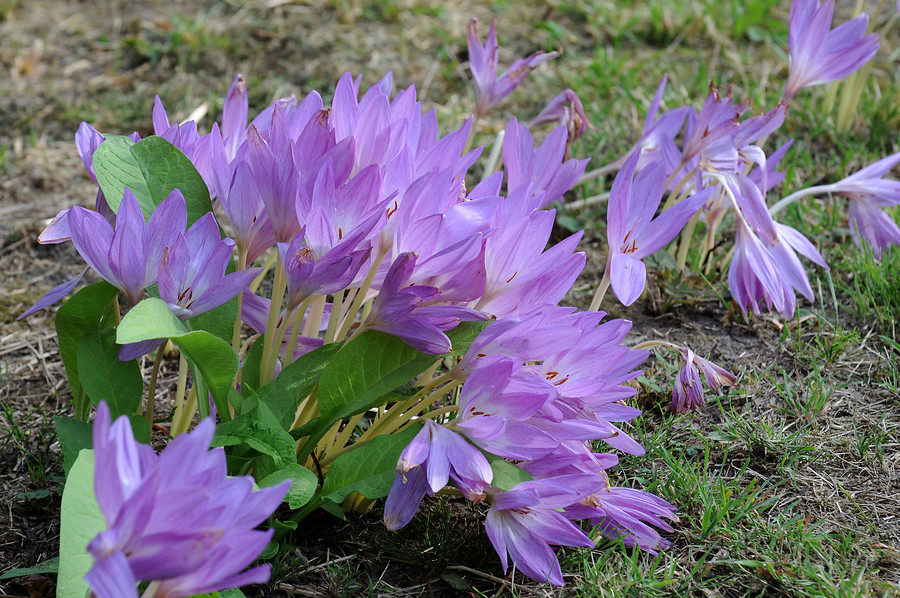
(80, 522)
(85, 312)
(361, 376)
(105, 378)
(218, 321)
(260, 430)
(284, 393)
(250, 367)
(49, 566)
(364, 371)
(303, 484)
(210, 356)
(215, 360)
(463, 335)
(151, 168)
(506, 475)
(369, 469)
(74, 435)
(149, 319)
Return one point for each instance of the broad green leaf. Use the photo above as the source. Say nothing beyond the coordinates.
(80, 522)
(218, 321)
(463, 335)
(215, 360)
(250, 367)
(74, 435)
(284, 393)
(149, 319)
(369, 469)
(260, 430)
(209, 356)
(361, 376)
(364, 371)
(506, 475)
(85, 312)
(105, 378)
(151, 169)
(303, 484)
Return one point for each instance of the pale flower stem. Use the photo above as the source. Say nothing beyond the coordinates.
(797, 195)
(187, 415)
(151, 387)
(599, 172)
(675, 195)
(656, 343)
(361, 295)
(495, 156)
(270, 261)
(334, 319)
(342, 438)
(270, 350)
(394, 412)
(588, 201)
(687, 236)
(179, 394)
(295, 331)
(439, 411)
(472, 133)
(236, 333)
(601, 291)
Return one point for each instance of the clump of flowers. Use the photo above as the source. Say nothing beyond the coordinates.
(412, 337)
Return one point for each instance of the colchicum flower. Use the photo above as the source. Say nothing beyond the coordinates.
(633, 232)
(489, 88)
(819, 54)
(174, 519)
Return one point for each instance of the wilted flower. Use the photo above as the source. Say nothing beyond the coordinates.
(688, 392)
(174, 519)
(565, 109)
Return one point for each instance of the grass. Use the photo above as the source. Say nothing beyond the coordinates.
(785, 486)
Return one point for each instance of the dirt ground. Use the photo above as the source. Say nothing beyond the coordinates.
(102, 61)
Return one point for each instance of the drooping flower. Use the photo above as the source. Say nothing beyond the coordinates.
(633, 232)
(489, 88)
(174, 519)
(434, 457)
(688, 391)
(820, 54)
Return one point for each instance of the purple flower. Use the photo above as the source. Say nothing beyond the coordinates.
(633, 232)
(174, 519)
(416, 313)
(688, 392)
(543, 168)
(127, 257)
(820, 55)
(524, 521)
(192, 278)
(489, 88)
(869, 194)
(434, 457)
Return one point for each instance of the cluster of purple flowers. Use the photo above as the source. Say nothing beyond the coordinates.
(719, 158)
(367, 200)
(365, 208)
